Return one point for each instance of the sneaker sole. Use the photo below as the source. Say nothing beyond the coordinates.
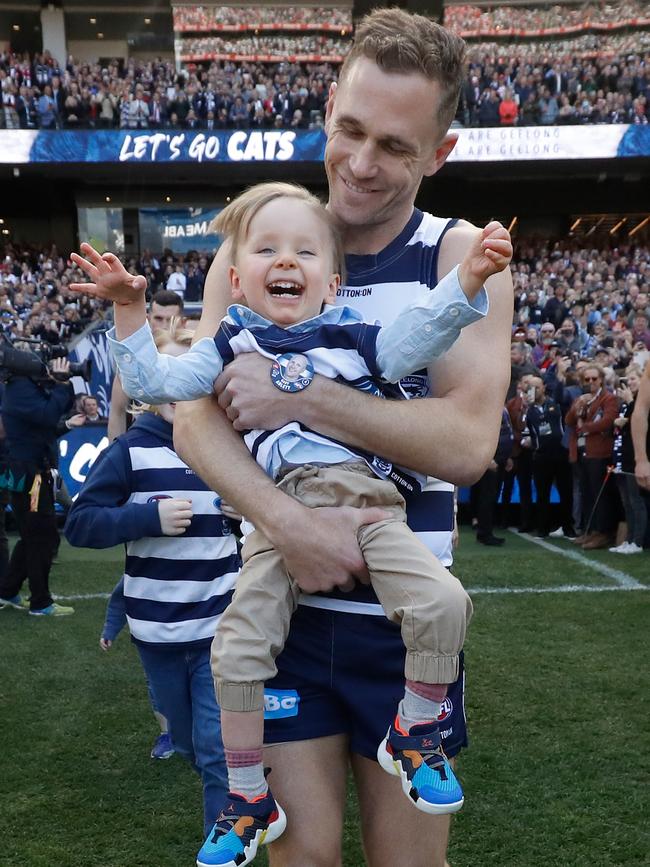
(6, 604)
(164, 755)
(275, 830)
(392, 767)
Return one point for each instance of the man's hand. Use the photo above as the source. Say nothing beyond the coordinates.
(320, 547)
(77, 420)
(490, 252)
(60, 369)
(642, 474)
(110, 279)
(175, 516)
(247, 395)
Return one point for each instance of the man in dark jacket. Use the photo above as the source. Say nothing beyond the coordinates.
(550, 459)
(31, 410)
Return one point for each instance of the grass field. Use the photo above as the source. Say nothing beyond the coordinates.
(557, 773)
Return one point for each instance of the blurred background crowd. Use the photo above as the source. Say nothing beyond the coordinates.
(243, 67)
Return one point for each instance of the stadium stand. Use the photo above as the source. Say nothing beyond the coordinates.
(545, 19)
(241, 18)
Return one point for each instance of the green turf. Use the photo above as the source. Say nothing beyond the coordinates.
(557, 772)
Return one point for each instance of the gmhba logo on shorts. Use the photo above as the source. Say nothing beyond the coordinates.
(280, 703)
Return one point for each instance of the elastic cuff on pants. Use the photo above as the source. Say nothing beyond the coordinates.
(240, 696)
(431, 669)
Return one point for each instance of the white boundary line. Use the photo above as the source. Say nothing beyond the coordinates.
(80, 596)
(624, 581)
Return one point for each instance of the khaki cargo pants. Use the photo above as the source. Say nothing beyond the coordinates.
(415, 591)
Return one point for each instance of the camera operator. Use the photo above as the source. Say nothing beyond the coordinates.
(31, 410)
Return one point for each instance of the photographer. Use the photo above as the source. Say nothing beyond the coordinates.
(31, 409)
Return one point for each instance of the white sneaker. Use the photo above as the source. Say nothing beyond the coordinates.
(633, 548)
(557, 534)
(620, 549)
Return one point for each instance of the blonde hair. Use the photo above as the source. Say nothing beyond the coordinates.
(162, 337)
(235, 219)
(399, 41)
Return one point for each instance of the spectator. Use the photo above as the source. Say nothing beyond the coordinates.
(550, 461)
(636, 514)
(592, 418)
(46, 109)
(138, 116)
(177, 281)
(508, 109)
(488, 109)
(548, 107)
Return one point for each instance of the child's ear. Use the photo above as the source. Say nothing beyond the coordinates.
(332, 288)
(235, 283)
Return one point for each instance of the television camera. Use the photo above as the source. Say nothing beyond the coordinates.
(34, 359)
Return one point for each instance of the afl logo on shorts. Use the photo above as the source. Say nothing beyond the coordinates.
(445, 710)
(157, 497)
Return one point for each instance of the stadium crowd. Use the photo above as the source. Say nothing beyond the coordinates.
(470, 21)
(197, 18)
(521, 86)
(208, 47)
(582, 315)
(580, 344)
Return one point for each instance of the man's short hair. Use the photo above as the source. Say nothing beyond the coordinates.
(167, 298)
(398, 41)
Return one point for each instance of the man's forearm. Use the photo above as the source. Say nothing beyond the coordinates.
(445, 438)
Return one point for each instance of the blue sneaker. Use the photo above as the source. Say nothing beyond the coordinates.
(163, 747)
(17, 602)
(53, 610)
(418, 759)
(241, 827)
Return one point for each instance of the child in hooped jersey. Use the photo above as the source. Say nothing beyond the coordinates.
(287, 261)
(180, 570)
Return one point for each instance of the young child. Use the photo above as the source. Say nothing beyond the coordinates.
(287, 259)
(114, 623)
(180, 570)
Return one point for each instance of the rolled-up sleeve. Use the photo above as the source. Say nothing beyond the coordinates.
(153, 377)
(427, 327)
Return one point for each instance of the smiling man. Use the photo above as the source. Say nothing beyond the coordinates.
(341, 671)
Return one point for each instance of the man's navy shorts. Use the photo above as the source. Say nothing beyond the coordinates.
(342, 673)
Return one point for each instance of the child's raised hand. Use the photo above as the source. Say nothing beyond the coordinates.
(489, 253)
(175, 516)
(110, 279)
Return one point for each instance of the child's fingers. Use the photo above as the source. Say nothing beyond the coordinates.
(497, 258)
(501, 246)
(491, 227)
(90, 253)
(84, 288)
(85, 265)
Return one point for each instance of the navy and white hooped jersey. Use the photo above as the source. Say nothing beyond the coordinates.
(175, 587)
(379, 286)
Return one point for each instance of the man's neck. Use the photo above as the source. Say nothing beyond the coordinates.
(370, 240)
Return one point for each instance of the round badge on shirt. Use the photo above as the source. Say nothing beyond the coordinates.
(292, 372)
